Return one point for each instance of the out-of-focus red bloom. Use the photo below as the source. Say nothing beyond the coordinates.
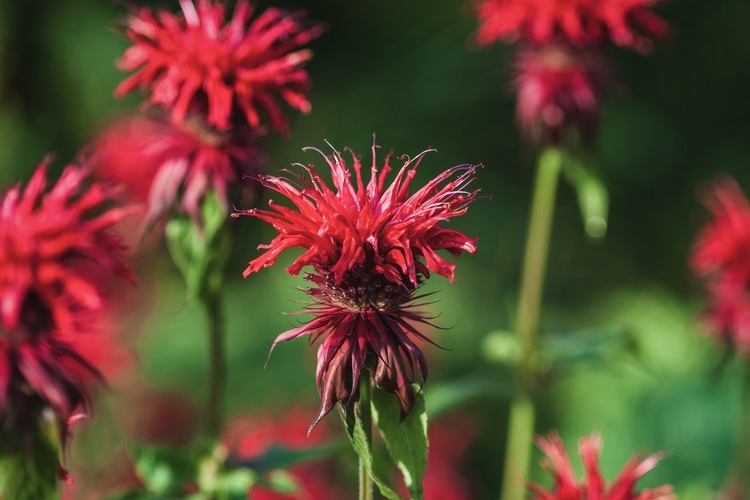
(720, 258)
(722, 246)
(594, 486)
(173, 166)
(44, 297)
(558, 90)
(628, 23)
(196, 60)
(250, 437)
(369, 244)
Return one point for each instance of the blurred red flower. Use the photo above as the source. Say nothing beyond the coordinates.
(593, 486)
(170, 165)
(628, 23)
(370, 245)
(45, 297)
(196, 60)
(250, 437)
(558, 90)
(719, 258)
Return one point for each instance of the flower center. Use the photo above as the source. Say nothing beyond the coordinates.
(362, 290)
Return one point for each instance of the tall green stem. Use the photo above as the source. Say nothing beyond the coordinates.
(365, 414)
(217, 364)
(736, 485)
(521, 418)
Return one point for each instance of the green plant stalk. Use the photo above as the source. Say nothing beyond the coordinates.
(364, 408)
(217, 364)
(739, 473)
(522, 415)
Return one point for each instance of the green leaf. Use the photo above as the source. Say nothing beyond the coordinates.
(358, 437)
(593, 198)
(406, 439)
(234, 484)
(135, 495)
(277, 457)
(200, 252)
(567, 349)
(164, 470)
(28, 470)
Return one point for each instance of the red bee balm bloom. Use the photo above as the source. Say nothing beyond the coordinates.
(163, 161)
(193, 59)
(369, 246)
(719, 256)
(628, 23)
(558, 90)
(45, 296)
(594, 486)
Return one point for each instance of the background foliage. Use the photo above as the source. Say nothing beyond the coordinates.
(407, 72)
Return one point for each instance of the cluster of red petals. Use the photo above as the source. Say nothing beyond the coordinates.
(250, 437)
(628, 23)
(719, 257)
(557, 91)
(394, 233)
(226, 68)
(46, 294)
(594, 486)
(369, 244)
(169, 165)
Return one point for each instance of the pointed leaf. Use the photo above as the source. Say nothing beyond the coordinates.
(441, 398)
(593, 198)
(276, 457)
(357, 436)
(163, 470)
(406, 439)
(24, 477)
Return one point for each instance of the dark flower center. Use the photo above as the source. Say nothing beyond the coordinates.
(361, 289)
(35, 320)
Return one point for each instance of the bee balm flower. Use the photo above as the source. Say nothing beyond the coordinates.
(628, 23)
(719, 258)
(224, 69)
(593, 485)
(369, 246)
(46, 296)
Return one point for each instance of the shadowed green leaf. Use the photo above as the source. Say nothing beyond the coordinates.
(406, 439)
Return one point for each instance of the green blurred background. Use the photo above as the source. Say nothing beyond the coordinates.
(407, 72)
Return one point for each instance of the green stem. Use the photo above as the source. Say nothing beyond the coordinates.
(217, 364)
(736, 484)
(521, 418)
(365, 415)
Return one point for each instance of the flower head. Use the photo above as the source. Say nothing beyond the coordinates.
(719, 258)
(628, 23)
(225, 70)
(594, 486)
(46, 294)
(369, 246)
(558, 90)
(172, 166)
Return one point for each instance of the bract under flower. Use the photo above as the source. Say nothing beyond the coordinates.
(628, 23)
(227, 70)
(369, 246)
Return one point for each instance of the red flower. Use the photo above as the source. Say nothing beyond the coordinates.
(628, 23)
(558, 90)
(719, 257)
(369, 246)
(195, 60)
(250, 437)
(594, 486)
(167, 164)
(45, 296)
